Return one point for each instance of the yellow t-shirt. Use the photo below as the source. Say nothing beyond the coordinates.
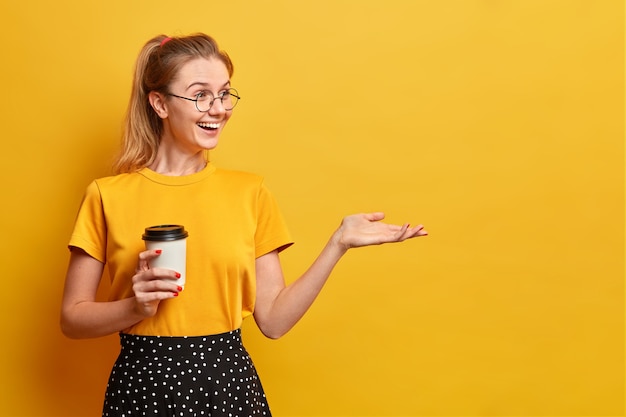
(231, 218)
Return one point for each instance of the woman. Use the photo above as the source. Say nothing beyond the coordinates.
(181, 350)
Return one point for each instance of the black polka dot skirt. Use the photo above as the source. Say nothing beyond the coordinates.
(184, 376)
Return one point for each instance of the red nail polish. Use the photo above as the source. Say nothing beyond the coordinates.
(175, 294)
(180, 289)
(177, 275)
(158, 251)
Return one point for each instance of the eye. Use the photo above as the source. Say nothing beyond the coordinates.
(202, 95)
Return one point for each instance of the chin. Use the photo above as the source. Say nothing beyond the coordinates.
(208, 144)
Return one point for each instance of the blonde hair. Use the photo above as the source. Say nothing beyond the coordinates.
(157, 64)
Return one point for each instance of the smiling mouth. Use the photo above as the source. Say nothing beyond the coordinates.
(209, 126)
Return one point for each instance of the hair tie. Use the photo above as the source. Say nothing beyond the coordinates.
(165, 40)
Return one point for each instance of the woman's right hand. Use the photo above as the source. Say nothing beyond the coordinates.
(152, 285)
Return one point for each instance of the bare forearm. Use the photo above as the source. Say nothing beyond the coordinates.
(279, 307)
(91, 319)
(294, 300)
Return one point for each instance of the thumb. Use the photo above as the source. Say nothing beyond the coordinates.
(375, 216)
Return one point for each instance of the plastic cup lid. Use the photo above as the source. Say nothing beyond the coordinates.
(165, 232)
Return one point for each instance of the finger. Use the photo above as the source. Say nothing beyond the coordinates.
(375, 216)
(411, 232)
(164, 274)
(418, 231)
(399, 233)
(146, 298)
(145, 257)
(149, 254)
(157, 285)
(148, 291)
(408, 232)
(156, 274)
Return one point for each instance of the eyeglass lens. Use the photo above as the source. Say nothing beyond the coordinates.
(228, 98)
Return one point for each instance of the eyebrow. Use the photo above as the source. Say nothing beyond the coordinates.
(206, 85)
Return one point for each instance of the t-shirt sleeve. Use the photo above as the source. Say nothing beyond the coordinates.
(272, 232)
(90, 228)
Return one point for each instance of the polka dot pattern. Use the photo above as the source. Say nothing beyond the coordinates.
(184, 376)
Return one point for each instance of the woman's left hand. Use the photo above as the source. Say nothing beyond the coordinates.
(367, 229)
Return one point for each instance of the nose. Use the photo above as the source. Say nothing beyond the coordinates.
(217, 107)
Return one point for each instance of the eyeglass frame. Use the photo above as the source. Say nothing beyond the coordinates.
(221, 98)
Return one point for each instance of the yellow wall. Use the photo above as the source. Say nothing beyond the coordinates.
(498, 124)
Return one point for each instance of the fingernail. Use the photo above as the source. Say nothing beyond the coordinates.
(177, 275)
(175, 294)
(158, 251)
(180, 289)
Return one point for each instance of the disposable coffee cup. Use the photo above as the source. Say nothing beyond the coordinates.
(172, 240)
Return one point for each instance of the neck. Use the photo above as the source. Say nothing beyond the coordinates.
(178, 167)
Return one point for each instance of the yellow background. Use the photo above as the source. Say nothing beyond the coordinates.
(497, 124)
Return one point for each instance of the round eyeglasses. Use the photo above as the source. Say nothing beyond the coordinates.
(204, 99)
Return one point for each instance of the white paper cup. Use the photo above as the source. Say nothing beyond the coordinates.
(172, 240)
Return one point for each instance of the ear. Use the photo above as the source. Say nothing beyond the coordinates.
(157, 101)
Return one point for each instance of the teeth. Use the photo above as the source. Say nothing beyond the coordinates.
(209, 125)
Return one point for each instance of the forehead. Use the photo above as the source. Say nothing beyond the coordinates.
(211, 72)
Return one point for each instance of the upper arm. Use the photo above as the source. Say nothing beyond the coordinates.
(269, 283)
(82, 279)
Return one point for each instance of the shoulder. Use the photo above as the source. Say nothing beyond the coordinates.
(114, 181)
(102, 185)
